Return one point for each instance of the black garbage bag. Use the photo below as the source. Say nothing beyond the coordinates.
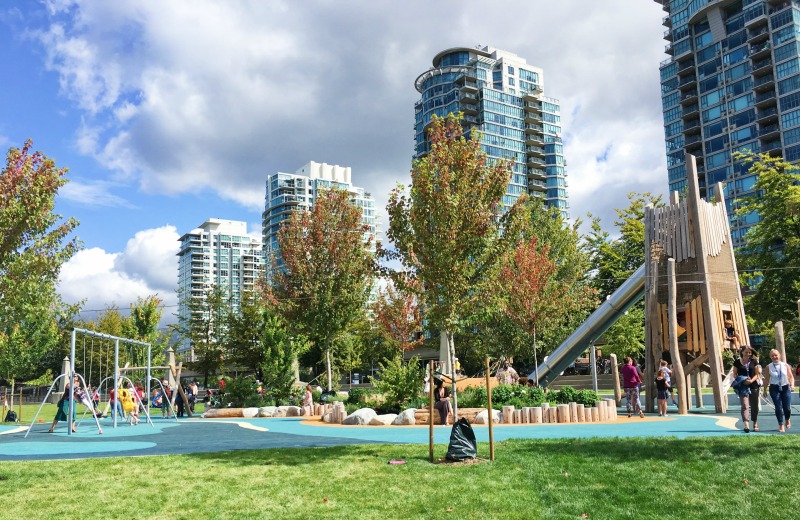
(463, 445)
(11, 416)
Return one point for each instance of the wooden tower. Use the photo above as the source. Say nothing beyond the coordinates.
(691, 288)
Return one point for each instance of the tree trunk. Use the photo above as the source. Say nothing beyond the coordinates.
(328, 364)
(451, 347)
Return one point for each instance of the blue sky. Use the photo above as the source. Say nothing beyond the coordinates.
(168, 113)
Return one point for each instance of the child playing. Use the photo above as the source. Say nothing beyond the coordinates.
(662, 384)
(668, 376)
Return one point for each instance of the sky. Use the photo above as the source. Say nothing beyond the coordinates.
(170, 113)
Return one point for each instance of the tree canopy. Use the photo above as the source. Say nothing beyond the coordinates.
(34, 243)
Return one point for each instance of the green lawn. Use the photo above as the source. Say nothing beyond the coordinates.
(709, 478)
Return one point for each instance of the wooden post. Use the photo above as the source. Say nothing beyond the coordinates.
(712, 332)
(489, 410)
(698, 388)
(649, 283)
(780, 345)
(430, 409)
(615, 372)
(672, 313)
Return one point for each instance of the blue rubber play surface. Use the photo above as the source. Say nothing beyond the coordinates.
(213, 435)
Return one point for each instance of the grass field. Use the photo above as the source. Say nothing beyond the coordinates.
(709, 478)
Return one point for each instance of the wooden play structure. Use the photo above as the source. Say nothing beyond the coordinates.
(691, 289)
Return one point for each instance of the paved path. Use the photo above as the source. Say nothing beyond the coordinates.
(213, 435)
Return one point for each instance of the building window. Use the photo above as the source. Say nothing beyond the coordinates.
(510, 70)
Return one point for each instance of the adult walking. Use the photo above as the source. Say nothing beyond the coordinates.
(749, 370)
(630, 383)
(780, 381)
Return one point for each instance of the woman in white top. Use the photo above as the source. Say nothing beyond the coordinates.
(780, 381)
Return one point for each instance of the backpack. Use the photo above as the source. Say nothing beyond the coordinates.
(11, 416)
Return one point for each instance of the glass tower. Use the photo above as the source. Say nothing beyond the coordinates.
(221, 253)
(503, 97)
(290, 192)
(731, 83)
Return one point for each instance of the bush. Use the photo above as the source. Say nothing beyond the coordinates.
(502, 395)
(587, 397)
(240, 390)
(399, 382)
(357, 395)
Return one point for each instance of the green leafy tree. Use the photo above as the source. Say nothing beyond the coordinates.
(399, 382)
(204, 328)
(398, 318)
(34, 244)
(450, 230)
(281, 350)
(614, 259)
(770, 258)
(327, 270)
(242, 333)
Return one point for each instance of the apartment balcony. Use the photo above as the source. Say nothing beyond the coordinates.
(685, 65)
(531, 117)
(535, 162)
(666, 21)
(688, 82)
(668, 35)
(688, 97)
(533, 106)
(758, 35)
(767, 99)
(669, 49)
(469, 109)
(537, 174)
(773, 148)
(689, 111)
(694, 142)
(533, 128)
(762, 67)
(764, 83)
(767, 116)
(537, 186)
(756, 17)
(534, 140)
(691, 127)
(467, 97)
(769, 133)
(535, 151)
(469, 85)
(533, 93)
(759, 51)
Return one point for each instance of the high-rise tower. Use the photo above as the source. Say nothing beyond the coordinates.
(731, 83)
(503, 97)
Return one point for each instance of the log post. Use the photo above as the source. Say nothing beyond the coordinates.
(489, 410)
(615, 373)
(430, 410)
(672, 314)
(780, 345)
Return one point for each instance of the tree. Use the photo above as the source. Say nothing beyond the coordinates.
(281, 351)
(534, 295)
(614, 260)
(204, 328)
(770, 258)
(450, 230)
(34, 244)
(243, 333)
(327, 270)
(397, 316)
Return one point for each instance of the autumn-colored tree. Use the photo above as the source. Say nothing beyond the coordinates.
(398, 318)
(534, 296)
(326, 272)
(34, 244)
(450, 230)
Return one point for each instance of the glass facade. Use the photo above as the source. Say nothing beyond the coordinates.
(731, 83)
(501, 96)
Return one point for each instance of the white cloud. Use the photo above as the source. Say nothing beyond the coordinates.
(147, 266)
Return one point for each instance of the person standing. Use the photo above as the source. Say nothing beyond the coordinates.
(63, 406)
(507, 375)
(780, 381)
(747, 366)
(631, 380)
(308, 400)
(662, 384)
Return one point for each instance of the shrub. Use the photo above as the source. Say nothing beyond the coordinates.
(587, 397)
(564, 395)
(399, 382)
(240, 390)
(357, 395)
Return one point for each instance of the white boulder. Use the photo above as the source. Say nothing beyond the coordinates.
(249, 412)
(483, 417)
(293, 411)
(266, 411)
(383, 420)
(359, 417)
(406, 417)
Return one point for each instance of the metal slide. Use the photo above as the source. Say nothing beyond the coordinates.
(595, 325)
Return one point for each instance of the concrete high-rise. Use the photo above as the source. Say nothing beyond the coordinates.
(503, 97)
(731, 84)
(287, 193)
(218, 253)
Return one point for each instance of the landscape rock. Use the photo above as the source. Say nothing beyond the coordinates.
(249, 412)
(406, 417)
(280, 411)
(293, 411)
(483, 417)
(383, 420)
(360, 417)
(266, 411)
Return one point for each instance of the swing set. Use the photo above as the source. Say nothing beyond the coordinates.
(127, 393)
